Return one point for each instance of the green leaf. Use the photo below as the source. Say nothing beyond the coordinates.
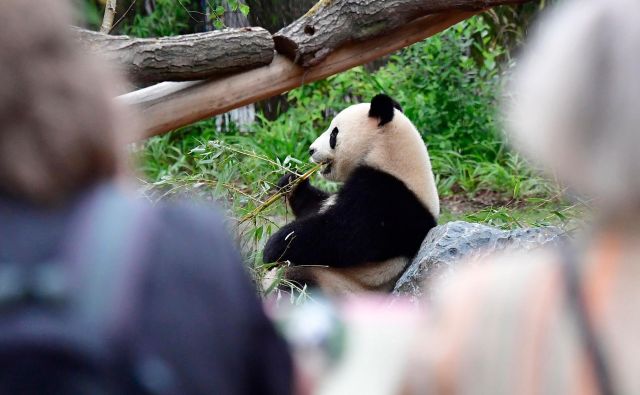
(218, 24)
(244, 9)
(219, 10)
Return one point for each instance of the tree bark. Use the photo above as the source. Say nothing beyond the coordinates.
(167, 106)
(183, 58)
(332, 23)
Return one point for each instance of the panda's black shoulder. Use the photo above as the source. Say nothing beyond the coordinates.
(373, 196)
(377, 185)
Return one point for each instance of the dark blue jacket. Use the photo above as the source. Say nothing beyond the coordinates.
(201, 315)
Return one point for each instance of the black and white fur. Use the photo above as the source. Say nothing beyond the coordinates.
(362, 237)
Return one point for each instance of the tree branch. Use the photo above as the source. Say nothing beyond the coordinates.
(183, 58)
(168, 106)
(332, 23)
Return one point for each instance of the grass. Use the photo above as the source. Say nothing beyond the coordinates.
(533, 212)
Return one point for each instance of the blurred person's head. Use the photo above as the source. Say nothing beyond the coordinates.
(576, 103)
(57, 120)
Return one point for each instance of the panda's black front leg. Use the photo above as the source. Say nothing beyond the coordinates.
(374, 218)
(304, 199)
(319, 240)
(276, 248)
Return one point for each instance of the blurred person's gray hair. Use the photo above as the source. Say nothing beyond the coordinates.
(575, 108)
(58, 124)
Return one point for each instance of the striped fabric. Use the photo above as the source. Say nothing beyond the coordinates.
(507, 327)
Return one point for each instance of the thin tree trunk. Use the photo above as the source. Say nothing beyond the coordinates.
(244, 116)
(109, 15)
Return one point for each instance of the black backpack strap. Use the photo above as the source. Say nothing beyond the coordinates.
(578, 305)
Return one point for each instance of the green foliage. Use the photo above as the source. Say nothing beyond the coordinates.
(235, 5)
(217, 13)
(92, 13)
(508, 25)
(169, 18)
(217, 10)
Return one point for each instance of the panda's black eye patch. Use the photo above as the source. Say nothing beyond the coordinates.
(333, 139)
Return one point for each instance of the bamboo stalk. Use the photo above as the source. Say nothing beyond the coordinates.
(282, 192)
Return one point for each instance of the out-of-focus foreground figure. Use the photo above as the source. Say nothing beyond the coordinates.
(99, 293)
(559, 322)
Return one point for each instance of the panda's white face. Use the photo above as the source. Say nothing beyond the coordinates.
(382, 137)
(346, 142)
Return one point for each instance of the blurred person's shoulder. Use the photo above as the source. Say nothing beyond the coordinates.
(183, 246)
(193, 238)
(495, 298)
(481, 316)
(201, 299)
(502, 281)
(192, 222)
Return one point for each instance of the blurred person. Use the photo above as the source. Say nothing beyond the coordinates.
(558, 321)
(100, 293)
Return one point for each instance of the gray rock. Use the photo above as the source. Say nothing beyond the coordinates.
(447, 245)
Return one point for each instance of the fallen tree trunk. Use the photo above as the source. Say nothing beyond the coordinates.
(183, 58)
(168, 106)
(330, 24)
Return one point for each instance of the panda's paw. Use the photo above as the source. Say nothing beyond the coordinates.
(277, 246)
(286, 180)
(272, 251)
(285, 184)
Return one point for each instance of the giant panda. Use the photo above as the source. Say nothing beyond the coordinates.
(362, 237)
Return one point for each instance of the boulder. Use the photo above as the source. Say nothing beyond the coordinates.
(455, 244)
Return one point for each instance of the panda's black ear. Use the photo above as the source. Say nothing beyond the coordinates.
(382, 107)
